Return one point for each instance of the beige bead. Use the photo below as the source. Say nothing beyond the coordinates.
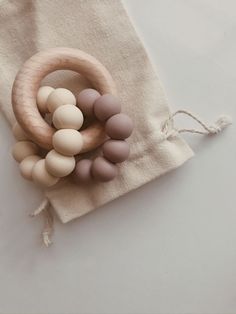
(41, 176)
(23, 149)
(42, 97)
(67, 142)
(68, 117)
(59, 165)
(19, 133)
(26, 166)
(60, 97)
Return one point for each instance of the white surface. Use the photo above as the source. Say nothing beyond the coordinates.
(169, 247)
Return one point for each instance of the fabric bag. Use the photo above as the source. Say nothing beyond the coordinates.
(156, 147)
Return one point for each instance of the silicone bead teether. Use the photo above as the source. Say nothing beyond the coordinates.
(51, 118)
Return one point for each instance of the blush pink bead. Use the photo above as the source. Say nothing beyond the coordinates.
(119, 126)
(103, 170)
(106, 106)
(86, 100)
(82, 172)
(115, 150)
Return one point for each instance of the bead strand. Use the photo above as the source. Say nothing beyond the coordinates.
(118, 127)
(67, 115)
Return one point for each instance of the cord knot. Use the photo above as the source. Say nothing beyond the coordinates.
(221, 123)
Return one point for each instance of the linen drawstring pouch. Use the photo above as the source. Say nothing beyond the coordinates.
(102, 29)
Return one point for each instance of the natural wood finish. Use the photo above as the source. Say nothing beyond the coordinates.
(27, 83)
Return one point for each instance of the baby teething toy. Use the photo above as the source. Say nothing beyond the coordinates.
(62, 140)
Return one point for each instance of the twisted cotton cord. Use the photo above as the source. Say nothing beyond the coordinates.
(44, 208)
(222, 122)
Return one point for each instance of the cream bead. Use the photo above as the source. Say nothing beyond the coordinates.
(60, 97)
(68, 142)
(23, 149)
(41, 176)
(42, 97)
(26, 166)
(59, 165)
(68, 117)
(19, 133)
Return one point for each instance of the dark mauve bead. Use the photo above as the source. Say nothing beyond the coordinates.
(103, 170)
(86, 99)
(116, 150)
(82, 172)
(119, 126)
(106, 106)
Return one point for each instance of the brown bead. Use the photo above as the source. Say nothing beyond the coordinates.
(119, 126)
(82, 171)
(116, 150)
(86, 100)
(106, 106)
(103, 170)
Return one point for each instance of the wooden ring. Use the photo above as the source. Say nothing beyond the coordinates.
(27, 83)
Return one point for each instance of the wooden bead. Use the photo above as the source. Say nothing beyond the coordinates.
(41, 176)
(23, 149)
(67, 142)
(86, 100)
(82, 173)
(68, 117)
(103, 170)
(42, 96)
(119, 126)
(106, 106)
(26, 166)
(115, 150)
(59, 165)
(60, 97)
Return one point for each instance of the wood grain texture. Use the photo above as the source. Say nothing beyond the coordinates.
(27, 83)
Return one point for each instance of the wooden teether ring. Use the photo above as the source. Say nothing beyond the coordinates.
(27, 83)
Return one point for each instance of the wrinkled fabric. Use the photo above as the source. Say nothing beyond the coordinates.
(102, 29)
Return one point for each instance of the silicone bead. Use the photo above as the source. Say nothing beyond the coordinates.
(60, 97)
(59, 165)
(19, 133)
(41, 176)
(103, 170)
(119, 126)
(23, 149)
(67, 142)
(86, 100)
(68, 117)
(82, 171)
(26, 166)
(106, 106)
(42, 97)
(115, 150)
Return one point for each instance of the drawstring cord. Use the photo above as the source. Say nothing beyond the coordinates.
(222, 122)
(44, 208)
